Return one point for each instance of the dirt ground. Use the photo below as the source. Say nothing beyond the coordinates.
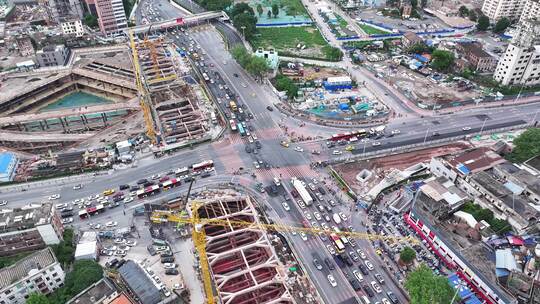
(421, 88)
(382, 165)
(324, 72)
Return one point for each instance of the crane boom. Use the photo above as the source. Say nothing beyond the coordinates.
(161, 216)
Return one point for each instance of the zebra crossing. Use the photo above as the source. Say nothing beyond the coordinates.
(283, 172)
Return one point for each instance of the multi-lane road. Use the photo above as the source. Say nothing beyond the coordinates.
(230, 156)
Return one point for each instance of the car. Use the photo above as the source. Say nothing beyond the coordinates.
(167, 260)
(112, 263)
(269, 108)
(379, 278)
(369, 265)
(336, 152)
(353, 256)
(317, 215)
(385, 301)
(368, 290)
(67, 220)
(54, 197)
(466, 128)
(349, 148)
(106, 252)
(358, 275)
(169, 265)
(361, 253)
(363, 269)
(377, 143)
(303, 236)
(343, 216)
(332, 281)
(307, 215)
(177, 286)
(392, 297)
(128, 200)
(327, 218)
(329, 264)
(171, 271)
(298, 149)
(166, 292)
(108, 192)
(286, 206)
(123, 187)
(119, 240)
(317, 264)
(96, 226)
(77, 187)
(331, 249)
(235, 74)
(396, 131)
(376, 287)
(121, 253)
(131, 243)
(111, 224)
(155, 176)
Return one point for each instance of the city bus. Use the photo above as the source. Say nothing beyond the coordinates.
(202, 165)
(83, 214)
(171, 183)
(241, 129)
(340, 248)
(181, 171)
(95, 210)
(148, 191)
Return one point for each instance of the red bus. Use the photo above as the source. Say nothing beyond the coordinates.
(83, 214)
(148, 191)
(94, 210)
(338, 243)
(171, 183)
(203, 165)
(348, 135)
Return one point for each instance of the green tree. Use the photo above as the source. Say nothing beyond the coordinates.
(332, 53)
(526, 146)
(275, 10)
(424, 287)
(84, 274)
(420, 48)
(37, 298)
(501, 25)
(284, 83)
(463, 11)
(483, 23)
(472, 15)
(241, 8)
(90, 20)
(442, 60)
(414, 3)
(259, 9)
(269, 14)
(216, 5)
(407, 255)
(423, 3)
(65, 250)
(257, 66)
(246, 24)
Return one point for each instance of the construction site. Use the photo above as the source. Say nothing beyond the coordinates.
(237, 253)
(172, 110)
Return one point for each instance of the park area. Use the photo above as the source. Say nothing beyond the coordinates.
(371, 30)
(289, 12)
(301, 41)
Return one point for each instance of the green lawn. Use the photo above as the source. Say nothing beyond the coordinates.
(281, 38)
(370, 30)
(292, 7)
(342, 22)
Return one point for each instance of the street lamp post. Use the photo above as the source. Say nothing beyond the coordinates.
(483, 124)
(364, 150)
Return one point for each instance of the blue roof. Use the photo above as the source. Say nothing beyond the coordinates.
(464, 291)
(463, 169)
(473, 300)
(5, 159)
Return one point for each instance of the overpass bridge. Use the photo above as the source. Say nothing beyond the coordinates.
(181, 21)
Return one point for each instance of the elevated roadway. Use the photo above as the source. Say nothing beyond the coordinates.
(180, 21)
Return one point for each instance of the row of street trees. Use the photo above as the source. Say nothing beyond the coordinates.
(257, 66)
(483, 21)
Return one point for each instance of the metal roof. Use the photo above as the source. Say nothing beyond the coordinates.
(139, 283)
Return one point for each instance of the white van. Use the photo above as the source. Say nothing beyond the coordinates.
(277, 182)
(336, 218)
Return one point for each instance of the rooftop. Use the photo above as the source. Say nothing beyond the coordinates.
(534, 163)
(5, 159)
(475, 49)
(139, 283)
(475, 255)
(411, 36)
(474, 160)
(95, 293)
(25, 217)
(27, 266)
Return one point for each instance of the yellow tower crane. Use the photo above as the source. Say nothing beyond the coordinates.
(199, 237)
(143, 94)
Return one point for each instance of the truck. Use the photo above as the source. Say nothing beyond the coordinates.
(336, 218)
(377, 130)
(302, 191)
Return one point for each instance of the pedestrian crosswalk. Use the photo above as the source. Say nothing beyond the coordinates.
(267, 175)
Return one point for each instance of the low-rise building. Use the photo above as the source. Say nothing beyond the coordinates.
(406, 11)
(101, 292)
(139, 283)
(24, 45)
(53, 56)
(28, 228)
(271, 57)
(479, 60)
(409, 39)
(72, 27)
(88, 246)
(39, 272)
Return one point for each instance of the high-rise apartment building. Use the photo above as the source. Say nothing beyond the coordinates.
(520, 64)
(112, 18)
(531, 10)
(497, 9)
